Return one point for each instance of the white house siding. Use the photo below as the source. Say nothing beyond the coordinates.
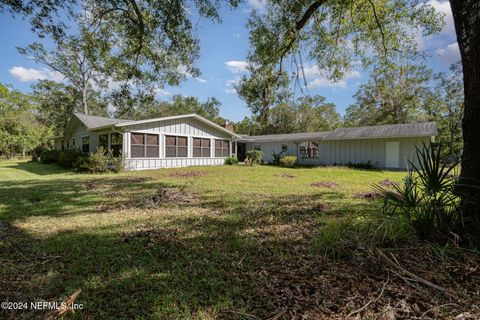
(189, 127)
(268, 148)
(341, 152)
(78, 131)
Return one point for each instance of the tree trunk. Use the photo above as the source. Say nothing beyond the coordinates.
(84, 101)
(466, 15)
(24, 152)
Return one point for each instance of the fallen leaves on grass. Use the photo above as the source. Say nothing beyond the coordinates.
(287, 175)
(151, 235)
(187, 174)
(166, 196)
(386, 183)
(368, 195)
(325, 184)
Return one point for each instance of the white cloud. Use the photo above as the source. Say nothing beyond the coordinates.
(450, 54)
(30, 74)
(201, 80)
(230, 85)
(444, 7)
(322, 81)
(161, 92)
(236, 66)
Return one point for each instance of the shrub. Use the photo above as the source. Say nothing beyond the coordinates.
(117, 164)
(360, 165)
(231, 160)
(277, 157)
(68, 157)
(288, 161)
(253, 157)
(95, 162)
(426, 198)
(49, 156)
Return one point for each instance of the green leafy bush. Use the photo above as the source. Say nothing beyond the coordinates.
(360, 165)
(49, 156)
(231, 160)
(288, 161)
(95, 162)
(68, 157)
(253, 157)
(117, 164)
(426, 198)
(277, 157)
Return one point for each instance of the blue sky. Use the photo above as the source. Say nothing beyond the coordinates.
(222, 61)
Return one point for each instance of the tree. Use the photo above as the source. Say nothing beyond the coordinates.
(56, 102)
(75, 59)
(466, 16)
(334, 35)
(445, 107)
(148, 43)
(144, 106)
(19, 129)
(393, 94)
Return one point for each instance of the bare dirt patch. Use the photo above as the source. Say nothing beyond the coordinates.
(187, 174)
(387, 183)
(287, 175)
(325, 184)
(151, 235)
(368, 195)
(166, 196)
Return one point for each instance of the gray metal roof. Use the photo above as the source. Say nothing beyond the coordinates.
(286, 137)
(423, 129)
(92, 122)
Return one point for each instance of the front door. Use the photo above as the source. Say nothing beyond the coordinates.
(392, 154)
(241, 149)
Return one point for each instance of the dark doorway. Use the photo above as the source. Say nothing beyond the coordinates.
(241, 149)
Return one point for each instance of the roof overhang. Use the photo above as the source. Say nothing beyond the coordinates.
(195, 116)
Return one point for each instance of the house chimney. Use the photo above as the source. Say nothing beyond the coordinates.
(228, 125)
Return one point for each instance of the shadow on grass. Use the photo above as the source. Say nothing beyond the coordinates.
(220, 263)
(39, 168)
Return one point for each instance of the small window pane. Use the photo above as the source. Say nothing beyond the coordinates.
(170, 141)
(182, 141)
(116, 138)
(218, 143)
(182, 151)
(137, 151)
(206, 143)
(152, 152)
(197, 142)
(218, 152)
(152, 139)
(170, 151)
(137, 138)
(197, 152)
(206, 152)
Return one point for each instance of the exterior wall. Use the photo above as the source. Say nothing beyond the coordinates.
(188, 127)
(77, 132)
(268, 148)
(341, 152)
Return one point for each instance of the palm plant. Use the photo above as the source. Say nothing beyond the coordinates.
(426, 198)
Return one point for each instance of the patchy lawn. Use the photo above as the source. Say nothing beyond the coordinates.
(220, 242)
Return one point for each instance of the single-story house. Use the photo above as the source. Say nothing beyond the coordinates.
(191, 140)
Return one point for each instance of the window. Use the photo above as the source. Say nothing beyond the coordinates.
(86, 144)
(201, 147)
(234, 147)
(309, 150)
(144, 145)
(103, 141)
(116, 143)
(176, 147)
(222, 148)
(284, 147)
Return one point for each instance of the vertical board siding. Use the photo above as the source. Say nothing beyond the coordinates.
(341, 152)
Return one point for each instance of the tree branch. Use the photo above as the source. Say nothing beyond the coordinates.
(379, 25)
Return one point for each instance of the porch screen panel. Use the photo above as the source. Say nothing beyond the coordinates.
(176, 147)
(201, 147)
(222, 148)
(116, 143)
(144, 145)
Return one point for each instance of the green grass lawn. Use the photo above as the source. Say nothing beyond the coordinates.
(202, 242)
